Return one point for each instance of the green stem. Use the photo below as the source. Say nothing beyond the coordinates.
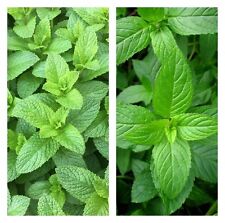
(193, 50)
(213, 209)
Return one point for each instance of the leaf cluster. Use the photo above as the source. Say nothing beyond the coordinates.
(57, 111)
(167, 111)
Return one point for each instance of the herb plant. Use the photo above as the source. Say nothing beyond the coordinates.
(167, 111)
(57, 111)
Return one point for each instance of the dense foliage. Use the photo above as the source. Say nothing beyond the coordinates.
(57, 111)
(167, 111)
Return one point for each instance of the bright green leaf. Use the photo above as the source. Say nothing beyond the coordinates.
(172, 164)
(192, 126)
(172, 92)
(20, 61)
(132, 35)
(47, 206)
(35, 153)
(70, 138)
(18, 205)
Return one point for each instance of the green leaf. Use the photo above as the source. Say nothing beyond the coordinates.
(56, 190)
(27, 84)
(58, 45)
(91, 65)
(172, 164)
(103, 64)
(59, 118)
(171, 205)
(84, 117)
(123, 160)
(72, 100)
(55, 67)
(96, 90)
(25, 30)
(148, 133)
(47, 131)
(65, 33)
(18, 205)
(39, 69)
(65, 157)
(12, 139)
(52, 88)
(193, 21)
(173, 85)
(129, 116)
(42, 34)
(135, 94)
(49, 13)
(33, 111)
(102, 146)
(96, 206)
(98, 127)
(37, 189)
(199, 197)
(189, 11)
(102, 188)
(93, 15)
(68, 80)
(77, 181)
(20, 61)
(15, 42)
(19, 13)
(205, 157)
(70, 138)
(209, 110)
(47, 206)
(171, 134)
(25, 128)
(138, 166)
(86, 48)
(151, 14)
(132, 35)
(35, 153)
(12, 173)
(192, 126)
(143, 188)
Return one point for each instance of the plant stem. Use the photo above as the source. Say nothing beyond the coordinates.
(213, 209)
(193, 50)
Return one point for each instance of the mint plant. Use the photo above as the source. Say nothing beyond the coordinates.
(57, 111)
(167, 111)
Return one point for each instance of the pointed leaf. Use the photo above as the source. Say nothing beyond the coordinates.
(77, 181)
(86, 47)
(173, 85)
(143, 188)
(148, 133)
(193, 21)
(172, 164)
(192, 126)
(18, 205)
(33, 111)
(96, 206)
(34, 153)
(72, 100)
(47, 206)
(70, 138)
(20, 61)
(205, 157)
(132, 35)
